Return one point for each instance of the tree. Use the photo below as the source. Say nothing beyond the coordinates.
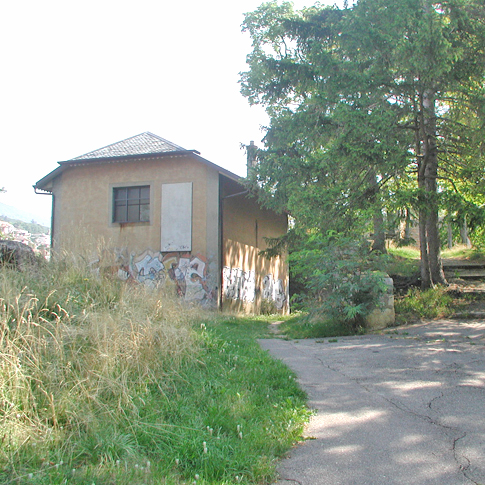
(360, 99)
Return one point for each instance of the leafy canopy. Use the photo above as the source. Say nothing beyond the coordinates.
(371, 107)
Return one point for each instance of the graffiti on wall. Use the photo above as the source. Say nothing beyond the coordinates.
(274, 290)
(238, 284)
(241, 285)
(190, 273)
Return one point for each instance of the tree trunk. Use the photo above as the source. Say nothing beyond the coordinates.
(407, 229)
(379, 242)
(430, 165)
(464, 234)
(379, 236)
(423, 248)
(423, 237)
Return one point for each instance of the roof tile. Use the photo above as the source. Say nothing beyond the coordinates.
(136, 145)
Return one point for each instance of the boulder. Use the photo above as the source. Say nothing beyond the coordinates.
(16, 255)
(383, 315)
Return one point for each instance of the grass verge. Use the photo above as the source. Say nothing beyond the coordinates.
(302, 326)
(462, 252)
(109, 384)
(429, 304)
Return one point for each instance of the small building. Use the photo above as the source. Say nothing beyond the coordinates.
(6, 228)
(167, 213)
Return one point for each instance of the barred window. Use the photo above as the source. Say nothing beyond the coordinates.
(131, 204)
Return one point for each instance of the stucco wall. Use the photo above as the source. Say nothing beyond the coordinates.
(83, 202)
(251, 282)
(83, 224)
(222, 265)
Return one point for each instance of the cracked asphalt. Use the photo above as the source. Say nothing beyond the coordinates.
(406, 406)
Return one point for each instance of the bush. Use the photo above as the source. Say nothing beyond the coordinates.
(304, 326)
(340, 278)
(431, 303)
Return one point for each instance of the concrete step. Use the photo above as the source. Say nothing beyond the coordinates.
(468, 274)
(458, 268)
(465, 264)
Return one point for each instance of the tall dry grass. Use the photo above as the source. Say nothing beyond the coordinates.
(78, 352)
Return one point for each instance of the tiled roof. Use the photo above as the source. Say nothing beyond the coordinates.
(143, 145)
(136, 145)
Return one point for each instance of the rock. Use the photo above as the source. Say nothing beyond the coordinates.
(16, 254)
(384, 315)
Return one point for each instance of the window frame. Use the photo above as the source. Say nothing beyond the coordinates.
(141, 204)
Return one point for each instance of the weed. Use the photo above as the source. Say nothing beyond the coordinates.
(304, 326)
(431, 303)
(101, 382)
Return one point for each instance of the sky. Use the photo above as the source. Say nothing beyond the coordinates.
(79, 75)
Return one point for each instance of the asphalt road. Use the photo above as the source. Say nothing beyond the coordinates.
(406, 406)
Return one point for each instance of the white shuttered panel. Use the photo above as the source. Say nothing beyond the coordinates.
(177, 217)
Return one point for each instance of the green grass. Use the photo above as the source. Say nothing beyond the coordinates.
(411, 253)
(106, 383)
(429, 304)
(405, 252)
(303, 326)
(403, 261)
(462, 252)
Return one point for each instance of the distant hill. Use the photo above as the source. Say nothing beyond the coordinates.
(21, 215)
(31, 227)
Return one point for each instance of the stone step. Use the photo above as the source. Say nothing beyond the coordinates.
(458, 290)
(465, 273)
(451, 264)
(462, 268)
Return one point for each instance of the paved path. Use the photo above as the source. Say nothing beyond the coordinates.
(404, 407)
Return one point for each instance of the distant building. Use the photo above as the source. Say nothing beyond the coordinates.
(6, 228)
(169, 213)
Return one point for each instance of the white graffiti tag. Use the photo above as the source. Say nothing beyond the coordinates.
(274, 290)
(241, 285)
(238, 284)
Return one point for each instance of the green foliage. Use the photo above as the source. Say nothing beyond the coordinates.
(377, 106)
(340, 278)
(304, 326)
(106, 383)
(32, 227)
(430, 303)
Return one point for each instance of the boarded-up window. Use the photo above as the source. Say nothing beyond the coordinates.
(177, 217)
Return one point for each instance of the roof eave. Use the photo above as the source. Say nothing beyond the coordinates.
(42, 184)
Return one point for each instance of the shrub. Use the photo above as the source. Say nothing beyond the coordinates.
(340, 278)
(431, 303)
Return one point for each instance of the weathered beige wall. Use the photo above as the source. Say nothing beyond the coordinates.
(212, 214)
(245, 221)
(223, 264)
(83, 201)
(251, 282)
